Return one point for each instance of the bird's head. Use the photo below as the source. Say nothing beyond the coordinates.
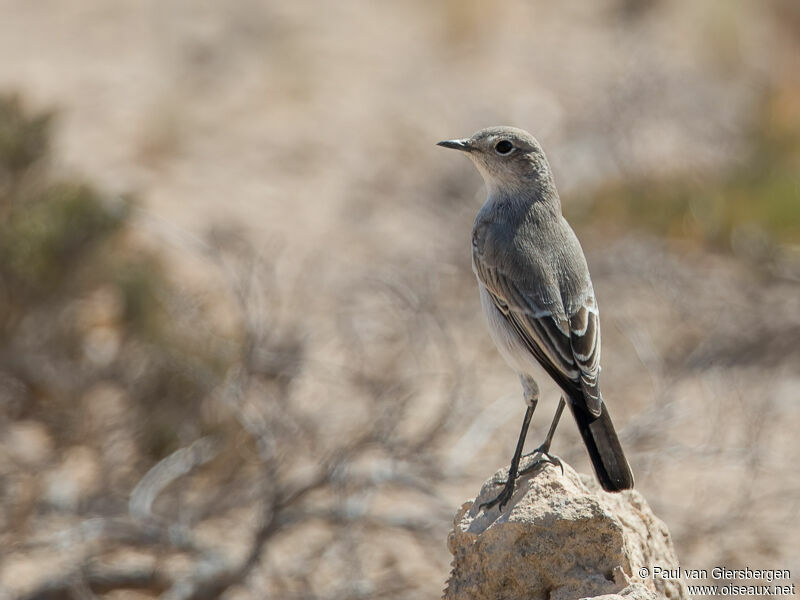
(509, 159)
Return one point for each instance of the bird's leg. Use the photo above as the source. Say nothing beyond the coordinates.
(544, 449)
(532, 398)
(508, 488)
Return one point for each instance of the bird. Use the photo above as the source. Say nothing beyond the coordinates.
(538, 299)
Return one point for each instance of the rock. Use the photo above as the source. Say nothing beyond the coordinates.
(560, 537)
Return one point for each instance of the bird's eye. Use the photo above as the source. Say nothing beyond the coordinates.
(503, 147)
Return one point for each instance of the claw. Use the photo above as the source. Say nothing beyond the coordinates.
(545, 456)
(502, 498)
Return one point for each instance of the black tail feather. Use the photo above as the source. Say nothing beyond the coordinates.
(604, 449)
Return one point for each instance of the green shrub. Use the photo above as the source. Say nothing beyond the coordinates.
(762, 194)
(81, 303)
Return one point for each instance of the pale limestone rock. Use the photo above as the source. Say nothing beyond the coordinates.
(560, 537)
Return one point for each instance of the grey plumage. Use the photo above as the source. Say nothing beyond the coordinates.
(536, 290)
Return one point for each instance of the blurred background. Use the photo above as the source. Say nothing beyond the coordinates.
(241, 348)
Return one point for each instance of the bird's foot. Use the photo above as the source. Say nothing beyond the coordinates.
(504, 496)
(544, 457)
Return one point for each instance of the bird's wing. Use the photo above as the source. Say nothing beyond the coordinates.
(584, 333)
(567, 346)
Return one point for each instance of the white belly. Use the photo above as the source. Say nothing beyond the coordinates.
(508, 343)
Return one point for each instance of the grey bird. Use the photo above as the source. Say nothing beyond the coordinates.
(537, 296)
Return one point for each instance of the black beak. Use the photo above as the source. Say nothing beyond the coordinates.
(462, 145)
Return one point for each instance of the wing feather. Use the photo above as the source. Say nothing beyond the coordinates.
(567, 347)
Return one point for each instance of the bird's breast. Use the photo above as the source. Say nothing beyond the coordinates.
(491, 240)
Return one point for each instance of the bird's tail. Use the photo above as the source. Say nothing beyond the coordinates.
(604, 449)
